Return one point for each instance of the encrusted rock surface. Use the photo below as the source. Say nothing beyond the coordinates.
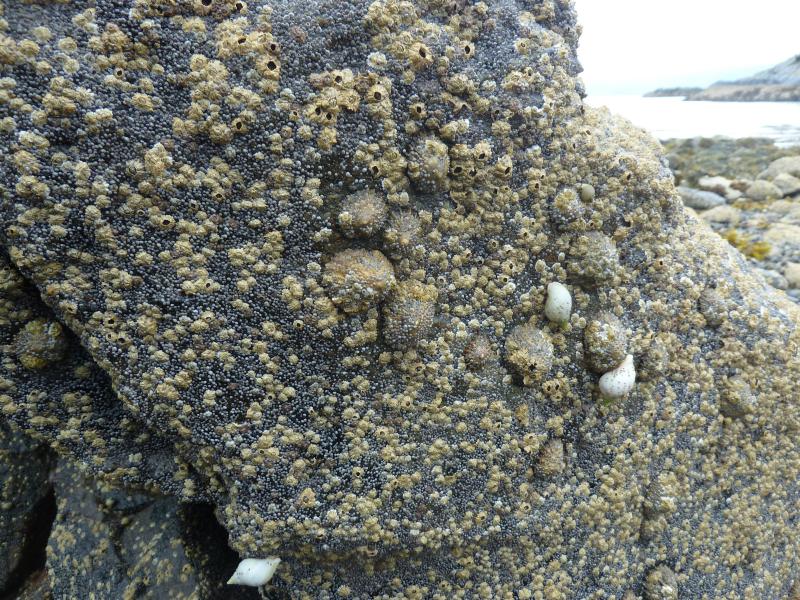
(380, 400)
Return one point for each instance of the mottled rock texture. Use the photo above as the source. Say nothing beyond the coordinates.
(178, 184)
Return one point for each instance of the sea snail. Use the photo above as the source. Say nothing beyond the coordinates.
(255, 572)
(559, 303)
(619, 382)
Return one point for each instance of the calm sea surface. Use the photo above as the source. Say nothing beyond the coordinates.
(674, 118)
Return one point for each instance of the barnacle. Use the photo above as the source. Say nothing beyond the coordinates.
(594, 258)
(363, 214)
(403, 231)
(530, 352)
(408, 315)
(551, 459)
(568, 211)
(478, 352)
(358, 279)
(605, 343)
(40, 343)
(737, 398)
(661, 584)
(429, 165)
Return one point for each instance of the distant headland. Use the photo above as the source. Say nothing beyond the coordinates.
(780, 83)
(673, 92)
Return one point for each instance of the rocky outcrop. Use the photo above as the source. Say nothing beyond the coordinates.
(762, 214)
(294, 258)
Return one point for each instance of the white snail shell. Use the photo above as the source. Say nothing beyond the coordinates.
(559, 303)
(255, 572)
(620, 381)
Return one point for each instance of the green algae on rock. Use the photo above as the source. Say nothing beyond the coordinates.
(172, 185)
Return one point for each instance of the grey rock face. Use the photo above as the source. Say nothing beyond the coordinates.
(789, 185)
(700, 200)
(72, 389)
(774, 278)
(114, 544)
(719, 185)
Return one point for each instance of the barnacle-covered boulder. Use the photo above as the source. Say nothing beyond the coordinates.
(359, 394)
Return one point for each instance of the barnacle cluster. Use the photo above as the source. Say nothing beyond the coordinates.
(292, 260)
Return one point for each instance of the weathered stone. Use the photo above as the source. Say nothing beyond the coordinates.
(719, 185)
(774, 278)
(792, 274)
(762, 190)
(782, 233)
(728, 215)
(26, 506)
(787, 184)
(789, 165)
(74, 392)
(111, 544)
(700, 200)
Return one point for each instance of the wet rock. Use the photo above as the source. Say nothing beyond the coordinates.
(783, 233)
(774, 278)
(174, 188)
(727, 215)
(700, 200)
(762, 190)
(113, 544)
(36, 587)
(719, 185)
(789, 165)
(792, 274)
(737, 160)
(789, 185)
(50, 380)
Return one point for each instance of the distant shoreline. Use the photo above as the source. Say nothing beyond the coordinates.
(672, 117)
(780, 83)
(673, 92)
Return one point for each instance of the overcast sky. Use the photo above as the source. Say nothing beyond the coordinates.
(633, 46)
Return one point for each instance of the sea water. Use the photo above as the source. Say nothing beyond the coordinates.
(669, 118)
